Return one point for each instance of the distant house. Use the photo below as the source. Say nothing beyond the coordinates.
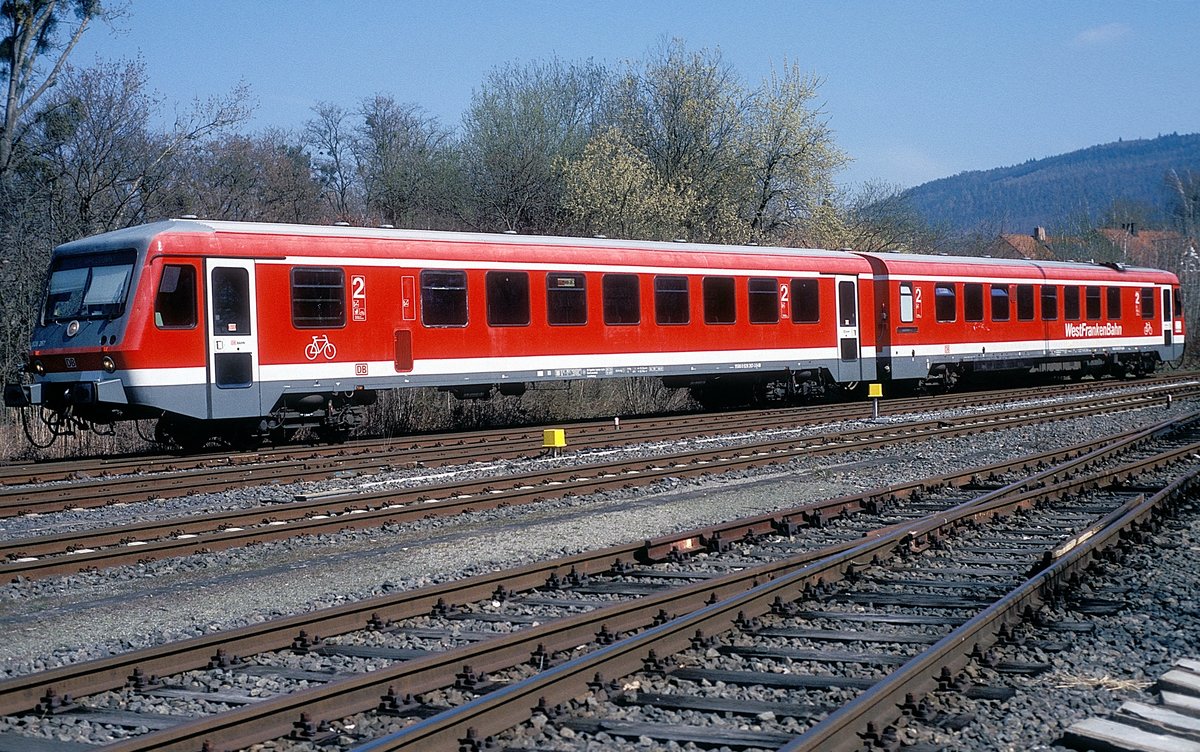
(1035, 246)
(1127, 245)
(1137, 247)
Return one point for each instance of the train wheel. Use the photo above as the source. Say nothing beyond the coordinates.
(189, 436)
(243, 437)
(331, 435)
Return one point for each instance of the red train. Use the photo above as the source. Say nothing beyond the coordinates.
(245, 330)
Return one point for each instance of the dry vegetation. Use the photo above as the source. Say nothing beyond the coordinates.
(403, 412)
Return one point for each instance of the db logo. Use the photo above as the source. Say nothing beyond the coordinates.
(360, 369)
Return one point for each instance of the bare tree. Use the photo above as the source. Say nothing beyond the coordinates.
(403, 156)
(250, 178)
(31, 31)
(880, 217)
(106, 165)
(525, 123)
(1184, 189)
(330, 137)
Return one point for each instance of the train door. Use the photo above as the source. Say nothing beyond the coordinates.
(849, 366)
(1167, 325)
(233, 390)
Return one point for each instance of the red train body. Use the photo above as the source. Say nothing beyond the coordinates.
(246, 330)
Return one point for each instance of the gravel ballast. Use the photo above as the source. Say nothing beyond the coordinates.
(94, 615)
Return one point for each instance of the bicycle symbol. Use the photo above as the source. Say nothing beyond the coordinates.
(320, 346)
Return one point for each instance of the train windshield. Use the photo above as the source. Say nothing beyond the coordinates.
(88, 286)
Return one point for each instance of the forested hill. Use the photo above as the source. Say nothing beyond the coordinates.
(1057, 190)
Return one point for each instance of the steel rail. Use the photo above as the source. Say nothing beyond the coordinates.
(40, 471)
(506, 706)
(842, 730)
(143, 542)
(21, 694)
(739, 594)
(176, 476)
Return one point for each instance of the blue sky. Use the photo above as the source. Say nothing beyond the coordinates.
(913, 90)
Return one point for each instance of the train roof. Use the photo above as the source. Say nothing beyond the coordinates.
(894, 263)
(911, 263)
(143, 234)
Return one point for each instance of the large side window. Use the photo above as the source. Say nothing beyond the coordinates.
(1114, 302)
(507, 298)
(318, 298)
(1091, 300)
(1147, 294)
(719, 305)
(1049, 302)
(1025, 303)
(945, 301)
(906, 302)
(671, 300)
(1000, 304)
(566, 299)
(806, 301)
(622, 302)
(764, 300)
(973, 301)
(443, 298)
(175, 302)
(1071, 302)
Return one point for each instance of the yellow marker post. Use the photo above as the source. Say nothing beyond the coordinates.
(554, 439)
(875, 391)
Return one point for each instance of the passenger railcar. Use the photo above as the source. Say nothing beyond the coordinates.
(941, 319)
(247, 330)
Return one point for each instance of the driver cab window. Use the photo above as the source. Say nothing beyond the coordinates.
(175, 302)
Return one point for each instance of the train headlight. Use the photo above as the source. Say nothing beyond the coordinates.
(38, 367)
(109, 364)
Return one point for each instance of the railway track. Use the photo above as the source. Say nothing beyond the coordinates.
(475, 647)
(102, 481)
(331, 512)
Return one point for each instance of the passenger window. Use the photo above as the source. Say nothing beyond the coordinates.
(231, 300)
(1071, 303)
(1025, 302)
(945, 302)
(973, 301)
(1000, 306)
(507, 298)
(906, 303)
(1114, 302)
(1147, 294)
(566, 299)
(764, 301)
(671, 300)
(806, 301)
(318, 298)
(175, 303)
(1049, 302)
(719, 306)
(622, 302)
(443, 298)
(1092, 302)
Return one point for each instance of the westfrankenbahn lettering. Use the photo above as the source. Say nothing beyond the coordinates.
(1093, 330)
